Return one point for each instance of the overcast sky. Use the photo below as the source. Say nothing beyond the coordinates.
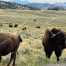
(50, 1)
(42, 1)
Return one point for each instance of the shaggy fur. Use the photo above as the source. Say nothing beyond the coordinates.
(9, 43)
(53, 40)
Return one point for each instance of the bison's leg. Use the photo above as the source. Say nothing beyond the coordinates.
(0, 59)
(12, 56)
(48, 52)
(58, 53)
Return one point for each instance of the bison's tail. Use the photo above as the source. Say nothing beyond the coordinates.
(19, 38)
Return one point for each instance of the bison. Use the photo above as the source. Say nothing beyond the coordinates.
(16, 25)
(10, 25)
(54, 40)
(38, 27)
(34, 19)
(9, 44)
(24, 28)
(1, 25)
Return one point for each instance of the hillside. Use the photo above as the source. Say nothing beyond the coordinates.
(10, 5)
(47, 5)
(27, 5)
(40, 5)
(13, 5)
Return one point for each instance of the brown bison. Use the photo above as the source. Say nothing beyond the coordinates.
(38, 27)
(9, 44)
(10, 25)
(34, 19)
(1, 25)
(16, 25)
(24, 28)
(53, 40)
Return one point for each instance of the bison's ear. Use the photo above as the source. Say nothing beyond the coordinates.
(19, 38)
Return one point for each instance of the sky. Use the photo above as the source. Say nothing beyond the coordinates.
(50, 1)
(42, 1)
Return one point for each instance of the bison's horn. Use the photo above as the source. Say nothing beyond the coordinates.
(19, 38)
(53, 35)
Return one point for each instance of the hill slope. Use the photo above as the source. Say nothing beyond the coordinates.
(10, 5)
(13, 5)
(47, 5)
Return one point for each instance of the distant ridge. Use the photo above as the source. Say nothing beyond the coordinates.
(13, 5)
(47, 5)
(10, 5)
(40, 5)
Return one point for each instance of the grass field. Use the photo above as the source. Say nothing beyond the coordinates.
(30, 52)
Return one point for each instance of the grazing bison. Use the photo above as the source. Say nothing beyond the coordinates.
(9, 44)
(38, 27)
(34, 19)
(15, 25)
(1, 25)
(24, 28)
(10, 25)
(53, 40)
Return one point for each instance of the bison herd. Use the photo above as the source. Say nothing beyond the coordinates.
(11, 25)
(53, 40)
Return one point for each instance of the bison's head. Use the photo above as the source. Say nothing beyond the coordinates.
(57, 37)
(55, 32)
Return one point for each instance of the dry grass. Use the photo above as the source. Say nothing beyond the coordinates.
(30, 52)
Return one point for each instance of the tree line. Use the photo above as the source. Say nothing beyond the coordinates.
(56, 8)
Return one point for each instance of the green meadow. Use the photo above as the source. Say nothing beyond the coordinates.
(30, 52)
